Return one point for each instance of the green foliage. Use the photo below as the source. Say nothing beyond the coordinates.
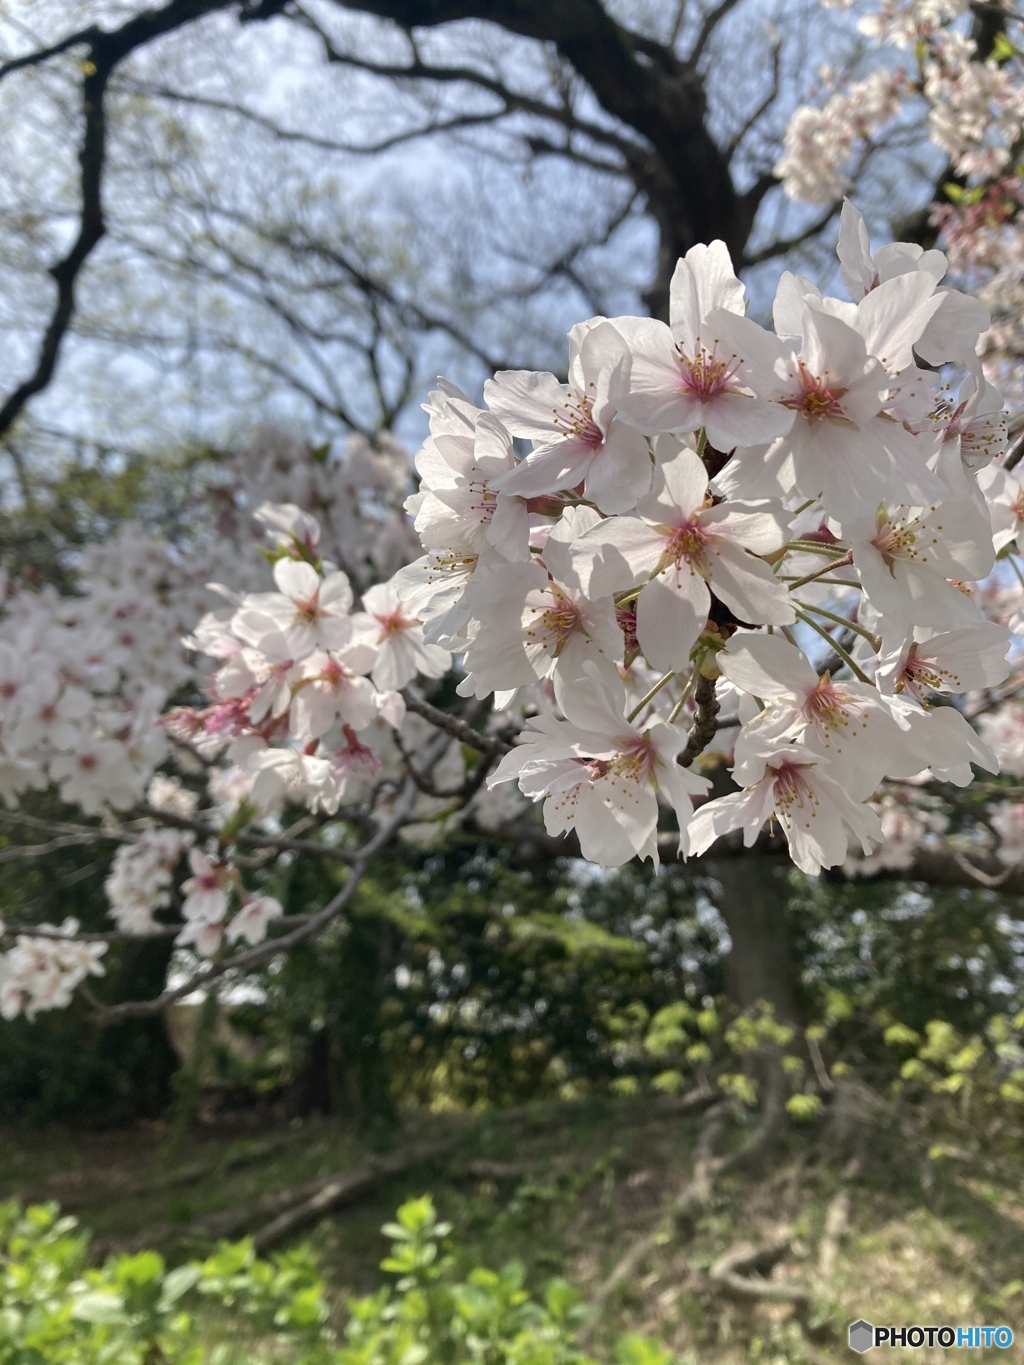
(57, 1310)
(986, 1070)
(435, 1317)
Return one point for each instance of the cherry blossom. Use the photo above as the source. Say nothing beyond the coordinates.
(601, 775)
(576, 438)
(396, 638)
(680, 547)
(791, 785)
(710, 367)
(306, 613)
(844, 721)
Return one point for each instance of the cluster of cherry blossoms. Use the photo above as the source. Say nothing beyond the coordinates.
(714, 545)
(971, 104)
(85, 682)
(43, 972)
(709, 515)
(795, 513)
(974, 103)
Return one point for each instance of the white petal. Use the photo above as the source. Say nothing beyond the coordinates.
(766, 666)
(671, 612)
(296, 579)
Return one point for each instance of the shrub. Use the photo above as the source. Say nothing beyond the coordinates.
(57, 1310)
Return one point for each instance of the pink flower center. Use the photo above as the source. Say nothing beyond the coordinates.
(550, 627)
(626, 617)
(636, 761)
(307, 610)
(355, 758)
(815, 397)
(687, 542)
(794, 795)
(394, 622)
(833, 709)
(921, 675)
(575, 420)
(231, 715)
(705, 374)
(335, 675)
(905, 540)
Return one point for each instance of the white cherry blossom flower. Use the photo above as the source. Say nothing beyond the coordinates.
(575, 436)
(52, 715)
(946, 745)
(433, 590)
(793, 786)
(531, 627)
(310, 612)
(459, 506)
(396, 637)
(1004, 497)
(839, 720)
(710, 367)
(600, 775)
(95, 774)
(946, 663)
(251, 920)
(905, 557)
(330, 687)
(840, 447)
(288, 775)
(681, 546)
(288, 525)
(206, 891)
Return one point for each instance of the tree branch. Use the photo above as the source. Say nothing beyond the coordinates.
(263, 952)
(105, 52)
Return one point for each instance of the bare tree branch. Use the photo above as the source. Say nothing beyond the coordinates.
(105, 51)
(707, 29)
(455, 726)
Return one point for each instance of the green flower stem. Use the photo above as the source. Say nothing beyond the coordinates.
(857, 671)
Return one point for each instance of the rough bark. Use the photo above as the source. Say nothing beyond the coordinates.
(761, 964)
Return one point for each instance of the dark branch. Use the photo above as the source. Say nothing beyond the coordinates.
(105, 51)
(705, 725)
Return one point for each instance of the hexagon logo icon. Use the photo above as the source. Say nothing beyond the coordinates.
(862, 1336)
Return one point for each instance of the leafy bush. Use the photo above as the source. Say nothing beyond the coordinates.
(56, 1310)
(434, 1318)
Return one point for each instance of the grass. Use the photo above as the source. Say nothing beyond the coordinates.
(932, 1243)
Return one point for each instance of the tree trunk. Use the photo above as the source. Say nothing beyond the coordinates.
(761, 964)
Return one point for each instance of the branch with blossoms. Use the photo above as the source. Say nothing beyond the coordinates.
(956, 72)
(790, 553)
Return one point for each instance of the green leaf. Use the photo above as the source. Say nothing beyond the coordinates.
(142, 1269)
(417, 1214)
(178, 1283)
(98, 1306)
(635, 1349)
